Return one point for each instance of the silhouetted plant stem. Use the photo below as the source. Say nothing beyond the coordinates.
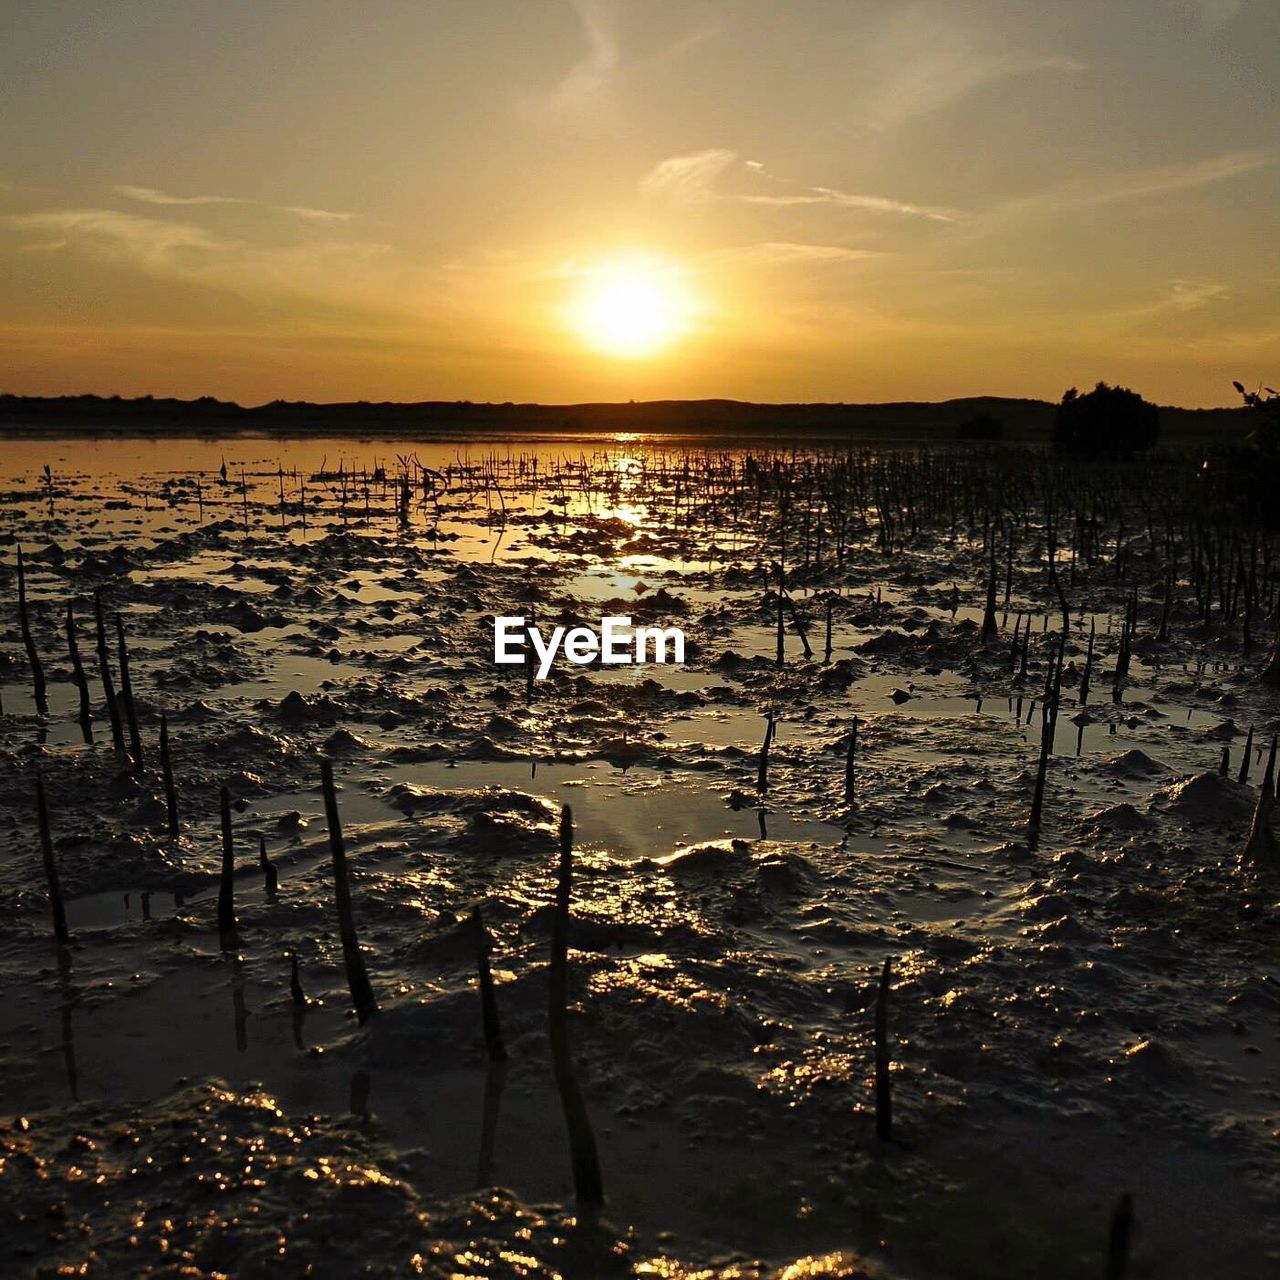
(1088, 663)
(1243, 775)
(357, 976)
(1118, 1244)
(77, 671)
(166, 770)
(104, 670)
(990, 629)
(588, 1184)
(50, 867)
(762, 770)
(826, 648)
(849, 755)
(488, 1000)
(126, 696)
(270, 877)
(780, 655)
(226, 885)
(1048, 728)
(884, 1085)
(1261, 848)
(33, 658)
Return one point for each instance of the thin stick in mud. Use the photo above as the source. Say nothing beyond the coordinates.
(357, 976)
(104, 671)
(126, 696)
(849, 757)
(226, 885)
(77, 672)
(166, 770)
(33, 658)
(50, 867)
(588, 1185)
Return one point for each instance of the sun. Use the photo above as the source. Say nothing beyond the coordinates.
(631, 307)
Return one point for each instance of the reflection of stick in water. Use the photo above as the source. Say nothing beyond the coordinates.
(68, 1000)
(884, 1084)
(494, 1081)
(588, 1185)
(488, 1001)
(239, 1010)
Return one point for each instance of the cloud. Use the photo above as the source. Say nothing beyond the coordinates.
(1170, 178)
(336, 272)
(1210, 13)
(847, 200)
(151, 195)
(783, 252)
(692, 179)
(582, 94)
(925, 59)
(687, 179)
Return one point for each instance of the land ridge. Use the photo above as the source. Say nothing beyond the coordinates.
(1022, 420)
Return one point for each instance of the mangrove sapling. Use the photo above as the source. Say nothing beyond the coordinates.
(990, 629)
(762, 770)
(1224, 769)
(1088, 662)
(77, 672)
(850, 753)
(588, 1185)
(1118, 1243)
(33, 658)
(884, 1084)
(104, 670)
(780, 655)
(357, 976)
(50, 867)
(226, 885)
(826, 648)
(166, 770)
(1243, 776)
(1261, 849)
(270, 878)
(488, 1000)
(1048, 729)
(126, 696)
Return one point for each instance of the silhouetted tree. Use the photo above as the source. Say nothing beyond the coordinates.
(1265, 435)
(1105, 421)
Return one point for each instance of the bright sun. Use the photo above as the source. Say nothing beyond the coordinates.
(631, 307)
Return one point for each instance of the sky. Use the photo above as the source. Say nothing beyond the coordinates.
(569, 200)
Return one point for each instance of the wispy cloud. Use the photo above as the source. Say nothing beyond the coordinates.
(849, 200)
(783, 252)
(154, 196)
(346, 271)
(1170, 178)
(583, 92)
(692, 179)
(150, 195)
(930, 54)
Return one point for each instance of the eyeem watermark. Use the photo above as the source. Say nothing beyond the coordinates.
(614, 644)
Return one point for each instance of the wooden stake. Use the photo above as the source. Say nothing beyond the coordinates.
(884, 1085)
(33, 658)
(357, 976)
(50, 867)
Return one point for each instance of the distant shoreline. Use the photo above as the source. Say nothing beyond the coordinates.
(1023, 421)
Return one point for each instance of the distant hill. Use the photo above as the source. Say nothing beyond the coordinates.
(1026, 421)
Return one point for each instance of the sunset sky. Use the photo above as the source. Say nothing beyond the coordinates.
(559, 200)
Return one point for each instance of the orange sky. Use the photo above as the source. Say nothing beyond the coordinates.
(849, 200)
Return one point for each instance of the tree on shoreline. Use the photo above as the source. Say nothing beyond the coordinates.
(1105, 422)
